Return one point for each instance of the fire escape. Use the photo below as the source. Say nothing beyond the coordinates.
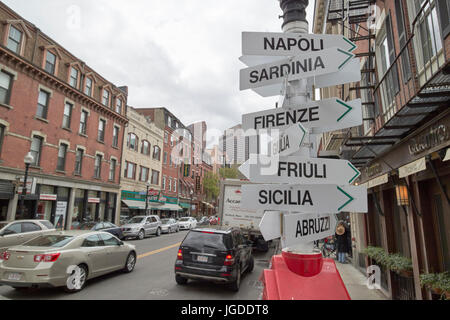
(402, 99)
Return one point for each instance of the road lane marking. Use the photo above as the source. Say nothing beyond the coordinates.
(158, 250)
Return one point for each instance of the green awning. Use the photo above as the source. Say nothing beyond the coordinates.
(184, 205)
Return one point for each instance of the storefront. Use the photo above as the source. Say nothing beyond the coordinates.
(133, 204)
(6, 195)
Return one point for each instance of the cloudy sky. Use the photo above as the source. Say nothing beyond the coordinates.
(180, 54)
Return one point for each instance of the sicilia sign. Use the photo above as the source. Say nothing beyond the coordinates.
(436, 136)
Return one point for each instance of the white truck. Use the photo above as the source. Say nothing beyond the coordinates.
(231, 214)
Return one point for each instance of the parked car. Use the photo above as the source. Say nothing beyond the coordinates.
(169, 225)
(142, 226)
(65, 259)
(101, 226)
(219, 255)
(20, 231)
(204, 221)
(187, 223)
(213, 221)
(123, 219)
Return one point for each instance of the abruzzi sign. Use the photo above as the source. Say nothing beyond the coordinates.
(302, 66)
(325, 115)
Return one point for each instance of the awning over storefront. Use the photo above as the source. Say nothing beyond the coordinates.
(208, 204)
(134, 204)
(170, 207)
(184, 205)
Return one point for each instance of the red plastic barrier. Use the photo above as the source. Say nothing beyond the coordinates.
(280, 283)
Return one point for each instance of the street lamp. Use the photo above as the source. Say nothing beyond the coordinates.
(29, 159)
(190, 207)
(146, 197)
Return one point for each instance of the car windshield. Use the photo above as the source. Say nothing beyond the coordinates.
(86, 226)
(55, 241)
(136, 220)
(199, 239)
(165, 221)
(184, 219)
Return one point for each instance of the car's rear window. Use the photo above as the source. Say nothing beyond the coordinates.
(47, 224)
(199, 239)
(165, 221)
(55, 241)
(135, 220)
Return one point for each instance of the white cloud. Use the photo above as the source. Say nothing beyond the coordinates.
(179, 54)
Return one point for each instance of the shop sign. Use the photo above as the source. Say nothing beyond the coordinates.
(377, 181)
(48, 197)
(374, 170)
(431, 139)
(413, 167)
(93, 200)
(60, 214)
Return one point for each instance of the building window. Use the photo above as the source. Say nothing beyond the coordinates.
(73, 81)
(105, 97)
(112, 169)
(83, 121)
(14, 39)
(170, 184)
(98, 166)
(164, 183)
(42, 107)
(2, 136)
(5, 87)
(88, 88)
(145, 148)
(118, 105)
(144, 174)
(166, 137)
(67, 115)
(36, 148)
(61, 157)
(174, 185)
(50, 62)
(155, 177)
(156, 153)
(130, 170)
(165, 158)
(78, 161)
(116, 136)
(101, 130)
(132, 141)
(430, 34)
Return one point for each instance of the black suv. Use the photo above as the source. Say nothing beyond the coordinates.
(219, 255)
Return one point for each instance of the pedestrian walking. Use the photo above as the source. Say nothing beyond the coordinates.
(341, 242)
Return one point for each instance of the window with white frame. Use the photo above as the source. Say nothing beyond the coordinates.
(14, 39)
(50, 62)
(5, 87)
(105, 98)
(118, 105)
(67, 116)
(62, 152)
(88, 87)
(73, 81)
(112, 169)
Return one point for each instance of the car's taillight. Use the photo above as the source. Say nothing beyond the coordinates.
(52, 257)
(5, 255)
(180, 254)
(229, 260)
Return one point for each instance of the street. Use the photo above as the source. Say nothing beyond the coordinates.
(152, 279)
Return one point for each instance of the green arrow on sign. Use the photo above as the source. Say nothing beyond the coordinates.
(356, 171)
(350, 43)
(350, 55)
(349, 108)
(304, 133)
(350, 199)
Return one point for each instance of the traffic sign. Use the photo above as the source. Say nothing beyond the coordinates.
(329, 198)
(265, 46)
(289, 141)
(351, 72)
(298, 170)
(297, 228)
(325, 115)
(294, 68)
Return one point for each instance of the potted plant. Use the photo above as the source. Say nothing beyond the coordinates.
(438, 283)
(399, 264)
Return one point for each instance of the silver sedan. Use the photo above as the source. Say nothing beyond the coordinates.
(169, 225)
(65, 259)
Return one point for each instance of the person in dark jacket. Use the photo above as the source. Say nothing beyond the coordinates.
(341, 242)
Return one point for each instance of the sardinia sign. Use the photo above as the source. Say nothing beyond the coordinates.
(299, 67)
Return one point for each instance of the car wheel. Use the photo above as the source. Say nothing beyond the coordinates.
(76, 282)
(180, 280)
(251, 264)
(130, 263)
(141, 235)
(158, 232)
(237, 283)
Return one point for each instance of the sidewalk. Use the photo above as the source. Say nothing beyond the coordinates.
(355, 282)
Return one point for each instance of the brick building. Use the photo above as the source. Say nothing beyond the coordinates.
(69, 117)
(402, 148)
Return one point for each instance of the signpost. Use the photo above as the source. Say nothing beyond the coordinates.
(326, 115)
(295, 228)
(303, 198)
(287, 142)
(298, 170)
(295, 68)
